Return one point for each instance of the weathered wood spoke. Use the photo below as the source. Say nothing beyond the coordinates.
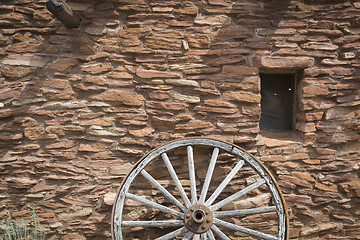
(193, 208)
(189, 236)
(224, 183)
(245, 212)
(192, 174)
(209, 174)
(168, 223)
(219, 233)
(163, 191)
(210, 235)
(173, 234)
(244, 230)
(196, 237)
(203, 236)
(238, 195)
(175, 178)
(155, 205)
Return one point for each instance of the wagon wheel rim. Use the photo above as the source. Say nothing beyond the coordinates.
(198, 214)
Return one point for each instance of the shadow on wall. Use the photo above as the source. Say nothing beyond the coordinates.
(254, 19)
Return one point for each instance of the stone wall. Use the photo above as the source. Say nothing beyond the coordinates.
(79, 106)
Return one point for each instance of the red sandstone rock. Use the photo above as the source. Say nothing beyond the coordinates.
(163, 123)
(230, 33)
(188, 11)
(17, 72)
(97, 68)
(120, 98)
(222, 20)
(147, 74)
(193, 124)
(142, 132)
(226, 60)
(241, 70)
(134, 32)
(242, 96)
(167, 105)
(352, 189)
(163, 43)
(315, 90)
(325, 187)
(63, 64)
(96, 147)
(198, 41)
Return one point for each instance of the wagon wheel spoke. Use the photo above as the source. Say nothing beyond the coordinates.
(245, 212)
(163, 190)
(192, 174)
(221, 206)
(176, 179)
(237, 195)
(219, 233)
(244, 230)
(173, 234)
(196, 237)
(168, 223)
(203, 236)
(210, 235)
(189, 236)
(209, 175)
(155, 205)
(224, 183)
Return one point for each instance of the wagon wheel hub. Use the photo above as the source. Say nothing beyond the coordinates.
(198, 218)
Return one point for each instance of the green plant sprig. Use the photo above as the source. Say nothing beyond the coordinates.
(20, 230)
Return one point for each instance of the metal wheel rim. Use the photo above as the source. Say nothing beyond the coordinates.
(266, 179)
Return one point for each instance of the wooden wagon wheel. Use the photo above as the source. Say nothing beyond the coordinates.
(199, 188)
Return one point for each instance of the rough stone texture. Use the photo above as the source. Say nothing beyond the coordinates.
(78, 107)
(283, 62)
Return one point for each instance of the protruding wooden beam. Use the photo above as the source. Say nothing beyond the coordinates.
(63, 13)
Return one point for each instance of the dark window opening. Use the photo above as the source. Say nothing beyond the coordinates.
(277, 101)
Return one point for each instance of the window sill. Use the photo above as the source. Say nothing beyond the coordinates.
(278, 138)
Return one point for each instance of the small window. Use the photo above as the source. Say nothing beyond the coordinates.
(277, 101)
